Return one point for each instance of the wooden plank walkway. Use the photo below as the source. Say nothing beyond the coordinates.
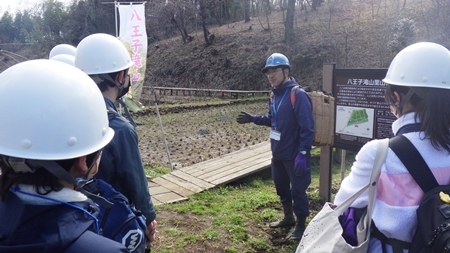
(182, 183)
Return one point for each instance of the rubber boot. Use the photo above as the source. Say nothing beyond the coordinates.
(297, 233)
(288, 219)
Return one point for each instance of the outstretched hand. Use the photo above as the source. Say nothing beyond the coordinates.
(244, 117)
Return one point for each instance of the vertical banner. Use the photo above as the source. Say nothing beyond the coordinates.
(134, 36)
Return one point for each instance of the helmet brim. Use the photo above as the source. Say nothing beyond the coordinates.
(265, 69)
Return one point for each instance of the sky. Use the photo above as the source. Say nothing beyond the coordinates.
(13, 5)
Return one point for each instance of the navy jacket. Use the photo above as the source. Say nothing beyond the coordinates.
(50, 228)
(121, 164)
(296, 124)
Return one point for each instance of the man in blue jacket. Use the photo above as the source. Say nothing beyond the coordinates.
(292, 131)
(107, 61)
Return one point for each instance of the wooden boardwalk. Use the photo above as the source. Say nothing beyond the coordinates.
(182, 183)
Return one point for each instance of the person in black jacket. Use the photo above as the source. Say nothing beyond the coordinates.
(292, 132)
(107, 61)
(54, 126)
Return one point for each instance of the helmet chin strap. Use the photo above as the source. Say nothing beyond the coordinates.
(284, 79)
(78, 182)
(62, 174)
(405, 100)
(105, 77)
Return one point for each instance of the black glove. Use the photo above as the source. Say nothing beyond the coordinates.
(244, 117)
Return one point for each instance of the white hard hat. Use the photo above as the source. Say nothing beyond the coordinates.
(69, 59)
(102, 53)
(423, 64)
(62, 49)
(51, 111)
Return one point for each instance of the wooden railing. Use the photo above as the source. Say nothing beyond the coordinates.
(172, 91)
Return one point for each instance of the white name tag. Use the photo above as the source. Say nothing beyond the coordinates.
(275, 135)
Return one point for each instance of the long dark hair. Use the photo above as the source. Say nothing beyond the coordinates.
(432, 108)
(43, 181)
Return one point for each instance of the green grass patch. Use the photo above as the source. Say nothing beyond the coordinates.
(156, 171)
(238, 214)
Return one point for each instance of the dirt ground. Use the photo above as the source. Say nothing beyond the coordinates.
(194, 224)
(197, 133)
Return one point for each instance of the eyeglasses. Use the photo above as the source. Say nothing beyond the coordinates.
(272, 71)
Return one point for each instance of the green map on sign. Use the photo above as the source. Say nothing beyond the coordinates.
(358, 117)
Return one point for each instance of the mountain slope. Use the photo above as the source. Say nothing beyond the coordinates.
(352, 34)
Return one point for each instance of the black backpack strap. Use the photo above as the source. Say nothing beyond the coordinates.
(397, 245)
(414, 162)
(415, 127)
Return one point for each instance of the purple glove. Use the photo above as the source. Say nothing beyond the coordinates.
(300, 163)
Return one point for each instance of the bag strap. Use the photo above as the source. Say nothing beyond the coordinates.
(293, 95)
(380, 158)
(378, 162)
(414, 162)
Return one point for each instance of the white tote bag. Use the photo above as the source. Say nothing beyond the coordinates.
(324, 232)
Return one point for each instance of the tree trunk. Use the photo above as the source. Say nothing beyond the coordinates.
(181, 29)
(203, 17)
(289, 24)
(247, 11)
(268, 5)
(267, 13)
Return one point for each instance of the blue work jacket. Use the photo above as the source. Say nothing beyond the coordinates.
(121, 164)
(295, 122)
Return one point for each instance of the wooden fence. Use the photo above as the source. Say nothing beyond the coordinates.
(172, 91)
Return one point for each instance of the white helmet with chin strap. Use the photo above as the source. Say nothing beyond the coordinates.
(423, 64)
(50, 111)
(62, 49)
(102, 53)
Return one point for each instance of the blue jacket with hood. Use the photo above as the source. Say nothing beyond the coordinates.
(295, 123)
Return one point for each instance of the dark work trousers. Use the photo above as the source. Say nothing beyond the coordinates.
(291, 187)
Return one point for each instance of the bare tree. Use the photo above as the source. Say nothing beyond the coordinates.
(176, 11)
(206, 34)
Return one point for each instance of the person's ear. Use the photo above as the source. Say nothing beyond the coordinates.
(81, 166)
(120, 76)
(286, 71)
(398, 97)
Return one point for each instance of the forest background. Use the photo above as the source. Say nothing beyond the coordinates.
(223, 44)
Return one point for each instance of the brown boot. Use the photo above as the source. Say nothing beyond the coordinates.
(288, 219)
(297, 233)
